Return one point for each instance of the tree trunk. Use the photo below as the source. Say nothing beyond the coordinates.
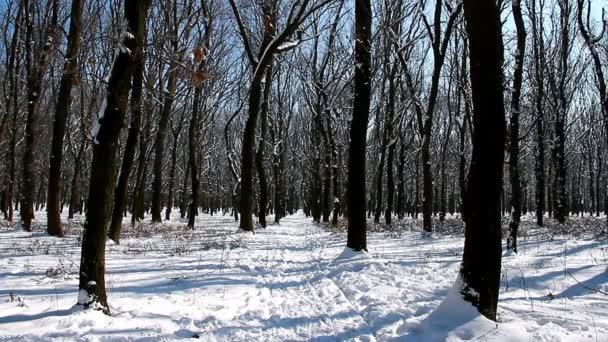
(10, 117)
(192, 144)
(92, 292)
(172, 177)
(159, 143)
(400, 178)
(62, 112)
(539, 60)
(481, 262)
(561, 196)
(35, 76)
(120, 194)
(259, 159)
(357, 225)
(514, 128)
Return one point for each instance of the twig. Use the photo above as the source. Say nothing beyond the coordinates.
(587, 287)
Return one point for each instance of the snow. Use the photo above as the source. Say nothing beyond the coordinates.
(295, 282)
(288, 45)
(97, 125)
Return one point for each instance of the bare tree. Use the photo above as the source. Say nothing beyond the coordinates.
(64, 99)
(481, 261)
(103, 169)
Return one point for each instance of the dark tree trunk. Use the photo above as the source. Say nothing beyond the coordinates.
(35, 77)
(514, 128)
(317, 136)
(278, 168)
(75, 185)
(172, 175)
(159, 142)
(439, 45)
(75, 200)
(270, 46)
(142, 172)
(183, 205)
(390, 144)
(357, 225)
(194, 123)
(561, 196)
(103, 169)
(591, 41)
(481, 262)
(539, 60)
(120, 194)
(400, 178)
(259, 158)
(379, 174)
(390, 184)
(62, 112)
(336, 182)
(326, 176)
(10, 117)
(192, 145)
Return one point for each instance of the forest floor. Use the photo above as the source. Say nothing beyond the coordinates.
(296, 282)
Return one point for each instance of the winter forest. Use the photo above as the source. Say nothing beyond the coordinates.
(303, 170)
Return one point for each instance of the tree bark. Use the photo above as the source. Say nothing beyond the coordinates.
(539, 60)
(35, 76)
(357, 225)
(514, 127)
(128, 159)
(259, 159)
(480, 269)
(62, 111)
(92, 292)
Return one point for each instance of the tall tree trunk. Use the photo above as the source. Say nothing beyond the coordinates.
(62, 112)
(334, 170)
(75, 184)
(128, 159)
(159, 142)
(481, 261)
(278, 167)
(357, 225)
(259, 158)
(439, 45)
(591, 41)
(192, 149)
(10, 116)
(514, 128)
(539, 60)
(92, 288)
(142, 167)
(400, 178)
(172, 177)
(35, 76)
(561, 196)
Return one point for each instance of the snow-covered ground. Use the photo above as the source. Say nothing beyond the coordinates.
(296, 282)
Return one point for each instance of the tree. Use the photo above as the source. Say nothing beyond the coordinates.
(38, 54)
(174, 18)
(297, 14)
(480, 269)
(62, 110)
(92, 291)
(120, 193)
(356, 199)
(514, 178)
(439, 46)
(539, 76)
(592, 41)
(12, 109)
(198, 81)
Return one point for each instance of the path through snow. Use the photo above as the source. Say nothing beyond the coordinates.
(293, 282)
